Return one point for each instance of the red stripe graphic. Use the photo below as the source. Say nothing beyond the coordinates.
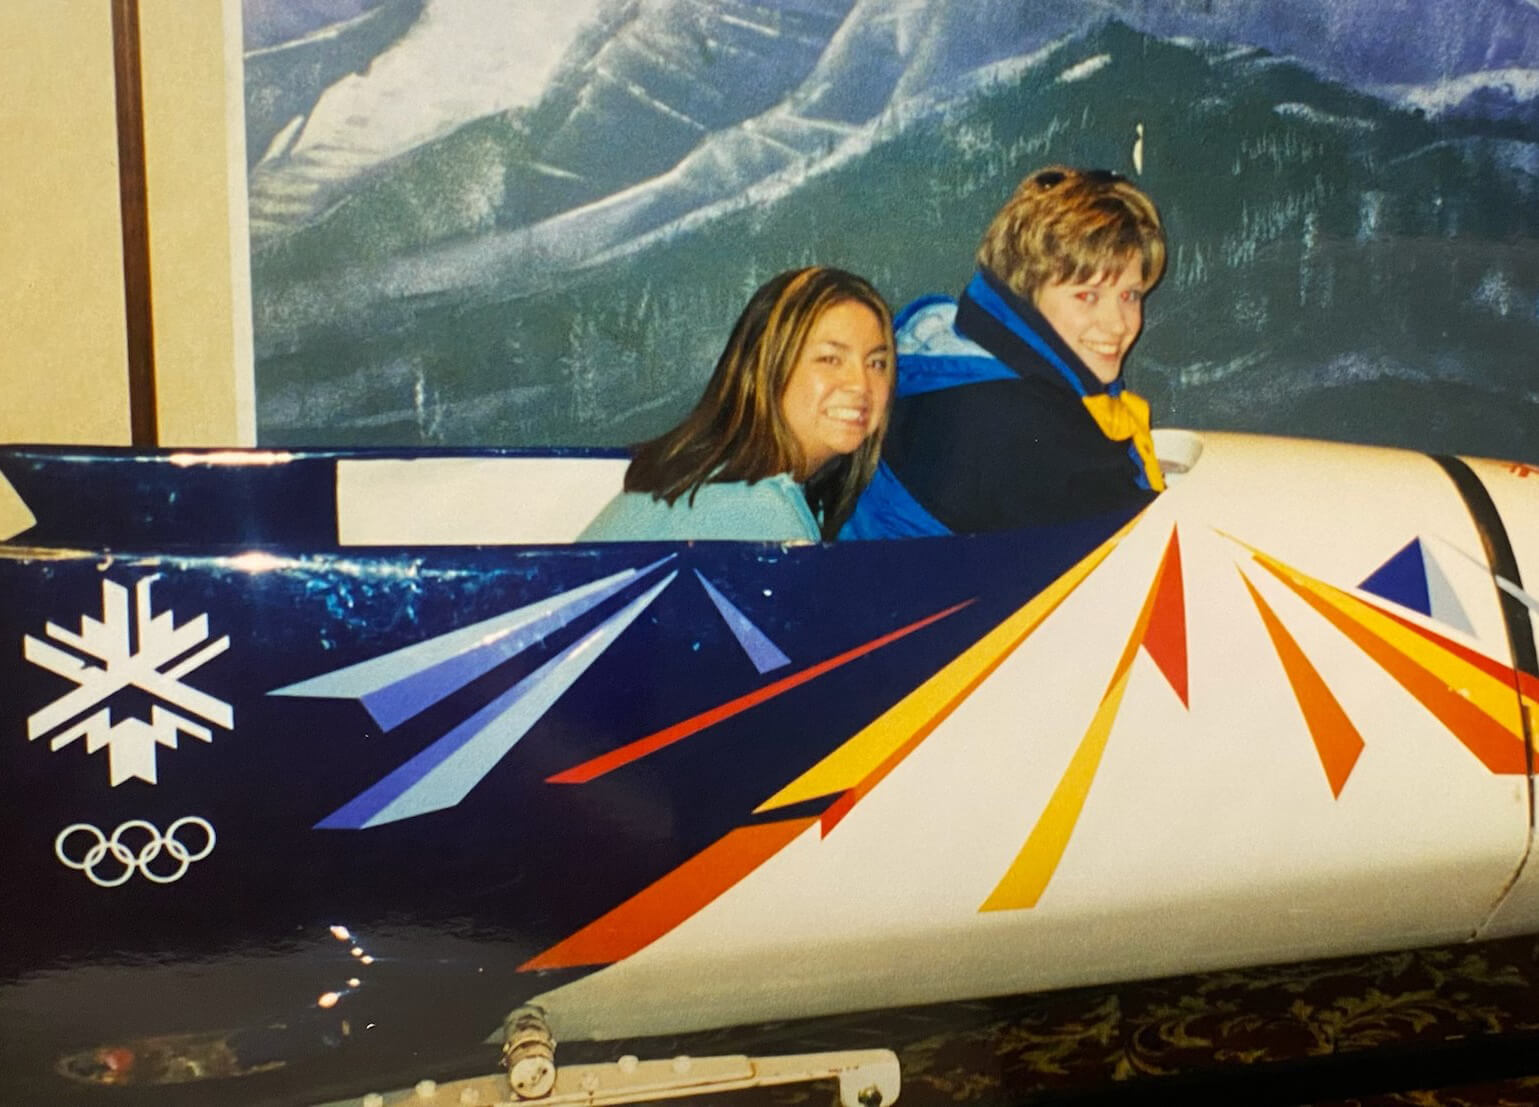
(634, 751)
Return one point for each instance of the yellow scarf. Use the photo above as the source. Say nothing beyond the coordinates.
(1126, 416)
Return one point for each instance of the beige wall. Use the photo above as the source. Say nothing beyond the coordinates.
(64, 361)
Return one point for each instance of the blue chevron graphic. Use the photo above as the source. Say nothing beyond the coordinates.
(398, 685)
(445, 772)
(764, 654)
(1412, 578)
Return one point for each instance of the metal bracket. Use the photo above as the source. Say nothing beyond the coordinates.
(867, 1078)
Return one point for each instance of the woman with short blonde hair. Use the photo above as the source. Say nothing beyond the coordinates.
(1012, 410)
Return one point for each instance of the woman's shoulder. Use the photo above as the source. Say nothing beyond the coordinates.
(769, 510)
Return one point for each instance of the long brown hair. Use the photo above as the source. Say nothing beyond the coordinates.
(736, 431)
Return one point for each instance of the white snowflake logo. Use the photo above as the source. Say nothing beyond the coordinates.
(136, 655)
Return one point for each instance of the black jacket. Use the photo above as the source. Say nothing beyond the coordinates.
(1015, 451)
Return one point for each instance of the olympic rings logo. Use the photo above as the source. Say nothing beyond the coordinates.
(126, 859)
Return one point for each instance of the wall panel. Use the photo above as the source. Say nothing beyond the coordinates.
(63, 363)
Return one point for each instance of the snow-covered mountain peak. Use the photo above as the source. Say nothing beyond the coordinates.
(1510, 86)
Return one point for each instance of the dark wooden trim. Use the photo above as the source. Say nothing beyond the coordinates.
(133, 196)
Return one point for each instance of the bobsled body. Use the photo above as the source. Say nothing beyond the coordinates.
(335, 756)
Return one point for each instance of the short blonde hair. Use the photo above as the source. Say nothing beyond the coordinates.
(1071, 225)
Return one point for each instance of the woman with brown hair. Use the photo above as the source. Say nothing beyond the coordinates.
(789, 428)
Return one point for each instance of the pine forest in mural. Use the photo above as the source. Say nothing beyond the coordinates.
(531, 222)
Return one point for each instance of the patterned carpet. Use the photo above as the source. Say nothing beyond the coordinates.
(1419, 1027)
(1450, 1027)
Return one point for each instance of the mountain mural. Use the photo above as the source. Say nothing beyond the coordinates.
(1353, 253)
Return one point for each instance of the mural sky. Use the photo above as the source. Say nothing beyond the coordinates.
(531, 222)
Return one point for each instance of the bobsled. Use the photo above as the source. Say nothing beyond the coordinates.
(321, 764)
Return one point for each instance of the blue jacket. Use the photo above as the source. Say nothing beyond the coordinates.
(770, 510)
(988, 431)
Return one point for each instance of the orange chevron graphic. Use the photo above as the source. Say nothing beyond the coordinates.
(1336, 740)
(1165, 639)
(663, 905)
(1479, 704)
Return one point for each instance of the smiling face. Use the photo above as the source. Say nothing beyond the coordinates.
(1099, 318)
(836, 395)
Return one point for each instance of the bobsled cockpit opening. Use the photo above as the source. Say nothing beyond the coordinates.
(473, 500)
(312, 500)
(112, 499)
